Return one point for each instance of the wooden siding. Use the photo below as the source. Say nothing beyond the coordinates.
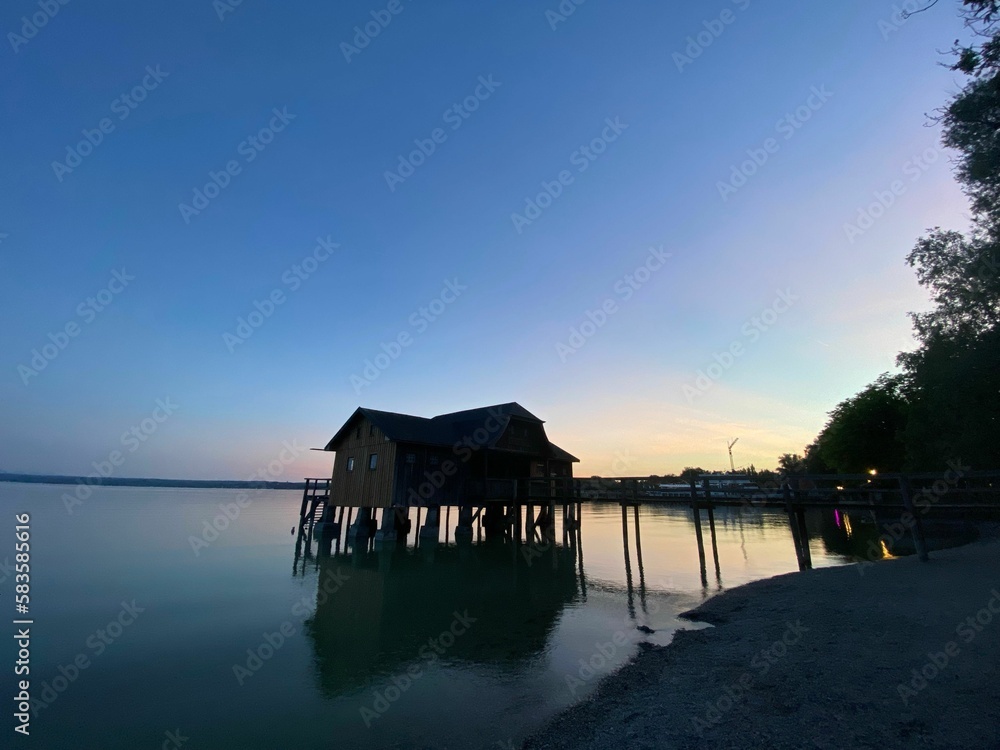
(405, 468)
(433, 465)
(523, 436)
(363, 487)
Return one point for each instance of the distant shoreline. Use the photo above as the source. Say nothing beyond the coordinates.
(226, 484)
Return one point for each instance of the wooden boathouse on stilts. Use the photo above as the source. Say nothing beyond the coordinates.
(497, 469)
(494, 465)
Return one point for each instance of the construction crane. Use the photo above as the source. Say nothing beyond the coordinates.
(730, 445)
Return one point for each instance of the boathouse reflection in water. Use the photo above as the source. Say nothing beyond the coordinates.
(387, 606)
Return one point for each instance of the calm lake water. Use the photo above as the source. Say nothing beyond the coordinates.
(438, 647)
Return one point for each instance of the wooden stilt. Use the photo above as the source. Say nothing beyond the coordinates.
(715, 543)
(628, 563)
(786, 492)
(638, 557)
(919, 541)
(800, 517)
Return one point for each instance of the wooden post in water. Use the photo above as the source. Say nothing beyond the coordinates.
(711, 529)
(638, 543)
(696, 511)
(347, 526)
(638, 557)
(341, 529)
(550, 529)
(804, 536)
(628, 561)
(800, 519)
(919, 541)
(786, 492)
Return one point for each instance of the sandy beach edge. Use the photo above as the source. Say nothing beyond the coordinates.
(897, 653)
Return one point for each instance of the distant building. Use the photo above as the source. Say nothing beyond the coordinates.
(385, 459)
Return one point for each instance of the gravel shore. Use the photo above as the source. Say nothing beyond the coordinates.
(895, 654)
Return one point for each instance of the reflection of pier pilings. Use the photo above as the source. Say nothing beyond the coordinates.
(800, 534)
(628, 563)
(707, 489)
(579, 550)
(375, 611)
(696, 512)
(638, 555)
(715, 544)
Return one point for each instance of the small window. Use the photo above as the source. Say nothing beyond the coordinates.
(434, 460)
(357, 433)
(373, 460)
(350, 464)
(411, 458)
(371, 430)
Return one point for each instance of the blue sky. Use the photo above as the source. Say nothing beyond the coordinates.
(487, 302)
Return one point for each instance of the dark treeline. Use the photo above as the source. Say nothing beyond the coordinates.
(944, 403)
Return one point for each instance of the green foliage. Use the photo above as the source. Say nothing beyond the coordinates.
(791, 463)
(866, 431)
(691, 473)
(955, 394)
(946, 403)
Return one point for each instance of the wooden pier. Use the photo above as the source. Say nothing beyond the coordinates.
(525, 510)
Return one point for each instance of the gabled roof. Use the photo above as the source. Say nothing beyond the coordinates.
(444, 429)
